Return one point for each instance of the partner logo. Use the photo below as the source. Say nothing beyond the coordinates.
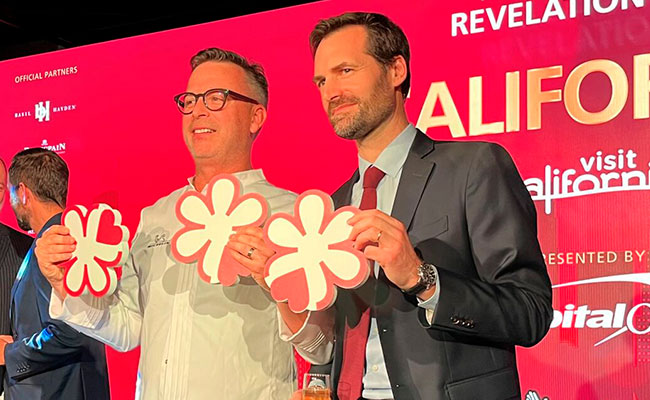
(57, 148)
(42, 111)
(620, 318)
(600, 173)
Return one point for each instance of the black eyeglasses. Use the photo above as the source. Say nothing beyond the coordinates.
(214, 99)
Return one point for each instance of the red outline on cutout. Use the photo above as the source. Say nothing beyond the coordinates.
(103, 264)
(229, 269)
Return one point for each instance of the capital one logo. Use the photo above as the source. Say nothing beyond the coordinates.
(533, 395)
(42, 111)
(619, 318)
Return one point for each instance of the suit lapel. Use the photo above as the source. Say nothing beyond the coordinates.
(20, 278)
(343, 196)
(415, 174)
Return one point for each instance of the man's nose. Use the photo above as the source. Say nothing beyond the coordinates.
(331, 90)
(200, 108)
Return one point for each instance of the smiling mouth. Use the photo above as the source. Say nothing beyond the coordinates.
(341, 108)
(203, 130)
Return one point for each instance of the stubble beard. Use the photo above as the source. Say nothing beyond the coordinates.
(23, 222)
(370, 114)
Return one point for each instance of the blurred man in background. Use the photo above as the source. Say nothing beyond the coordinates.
(47, 359)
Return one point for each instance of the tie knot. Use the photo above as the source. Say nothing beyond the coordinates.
(372, 177)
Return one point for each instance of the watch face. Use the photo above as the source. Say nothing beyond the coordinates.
(427, 273)
(427, 278)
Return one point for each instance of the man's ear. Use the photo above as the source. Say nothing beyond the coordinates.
(24, 194)
(258, 118)
(398, 71)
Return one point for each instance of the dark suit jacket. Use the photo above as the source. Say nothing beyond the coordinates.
(467, 212)
(49, 359)
(13, 247)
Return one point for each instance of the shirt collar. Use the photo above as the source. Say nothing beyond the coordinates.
(246, 178)
(392, 158)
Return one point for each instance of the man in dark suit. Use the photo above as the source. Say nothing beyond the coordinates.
(459, 278)
(47, 359)
(13, 247)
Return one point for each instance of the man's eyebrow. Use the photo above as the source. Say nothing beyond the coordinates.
(339, 66)
(344, 64)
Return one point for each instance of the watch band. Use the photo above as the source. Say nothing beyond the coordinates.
(417, 289)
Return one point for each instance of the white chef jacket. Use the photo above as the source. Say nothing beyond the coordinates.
(198, 340)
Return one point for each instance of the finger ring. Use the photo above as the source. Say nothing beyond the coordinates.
(378, 236)
(250, 252)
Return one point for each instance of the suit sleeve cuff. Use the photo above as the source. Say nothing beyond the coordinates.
(11, 364)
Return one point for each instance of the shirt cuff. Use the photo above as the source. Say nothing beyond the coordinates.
(308, 337)
(431, 303)
(313, 340)
(85, 311)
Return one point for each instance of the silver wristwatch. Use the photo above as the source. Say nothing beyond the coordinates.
(427, 279)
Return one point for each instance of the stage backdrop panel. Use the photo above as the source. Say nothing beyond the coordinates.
(562, 85)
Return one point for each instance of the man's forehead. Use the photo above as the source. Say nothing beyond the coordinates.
(346, 44)
(217, 74)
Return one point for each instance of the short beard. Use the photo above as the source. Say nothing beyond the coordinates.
(23, 224)
(22, 220)
(372, 112)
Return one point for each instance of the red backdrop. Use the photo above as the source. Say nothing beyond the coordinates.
(111, 116)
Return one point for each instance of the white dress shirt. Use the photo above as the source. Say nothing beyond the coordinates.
(198, 341)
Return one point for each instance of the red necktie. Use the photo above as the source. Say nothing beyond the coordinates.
(356, 337)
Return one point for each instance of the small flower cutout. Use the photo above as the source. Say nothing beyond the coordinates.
(102, 245)
(208, 221)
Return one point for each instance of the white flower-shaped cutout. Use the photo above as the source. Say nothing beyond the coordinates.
(102, 245)
(313, 253)
(208, 221)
